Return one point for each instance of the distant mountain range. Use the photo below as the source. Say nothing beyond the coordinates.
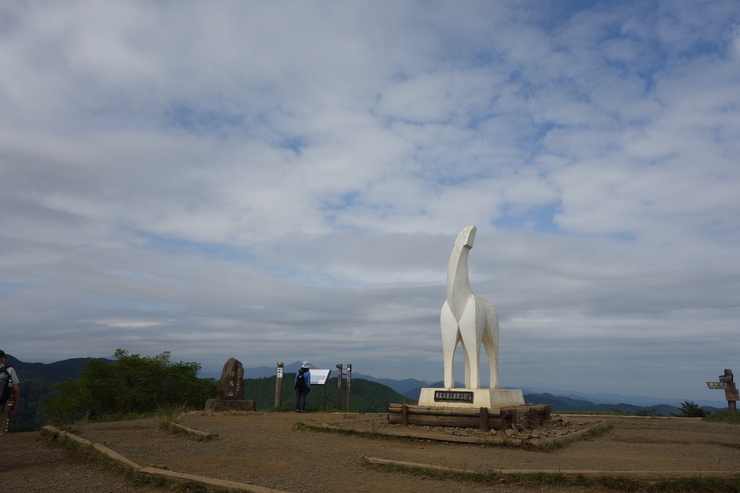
(559, 400)
(48, 372)
(563, 401)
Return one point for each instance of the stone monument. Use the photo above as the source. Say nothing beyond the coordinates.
(230, 390)
(470, 320)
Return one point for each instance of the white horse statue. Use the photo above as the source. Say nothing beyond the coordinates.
(467, 318)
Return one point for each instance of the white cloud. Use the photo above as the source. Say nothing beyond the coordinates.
(285, 181)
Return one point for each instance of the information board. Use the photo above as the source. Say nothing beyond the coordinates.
(319, 377)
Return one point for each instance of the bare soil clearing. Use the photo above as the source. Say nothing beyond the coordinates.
(268, 450)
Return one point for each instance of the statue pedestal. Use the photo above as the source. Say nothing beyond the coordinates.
(220, 405)
(493, 399)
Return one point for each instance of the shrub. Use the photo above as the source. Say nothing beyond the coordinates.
(131, 384)
(692, 410)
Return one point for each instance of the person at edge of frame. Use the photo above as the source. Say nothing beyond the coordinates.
(9, 407)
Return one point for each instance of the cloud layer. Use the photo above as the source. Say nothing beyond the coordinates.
(284, 181)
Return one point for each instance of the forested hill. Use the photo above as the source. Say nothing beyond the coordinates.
(48, 372)
(36, 384)
(366, 396)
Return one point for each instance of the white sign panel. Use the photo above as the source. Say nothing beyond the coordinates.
(319, 377)
(717, 385)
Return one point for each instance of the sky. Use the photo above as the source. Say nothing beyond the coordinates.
(284, 181)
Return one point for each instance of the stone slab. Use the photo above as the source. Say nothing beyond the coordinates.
(217, 405)
(493, 399)
(231, 385)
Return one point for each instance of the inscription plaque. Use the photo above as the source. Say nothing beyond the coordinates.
(452, 396)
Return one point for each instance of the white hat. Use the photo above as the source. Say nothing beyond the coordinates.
(305, 364)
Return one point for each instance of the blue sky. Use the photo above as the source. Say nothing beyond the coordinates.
(284, 181)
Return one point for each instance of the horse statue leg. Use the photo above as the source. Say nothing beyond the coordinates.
(450, 338)
(471, 344)
(490, 340)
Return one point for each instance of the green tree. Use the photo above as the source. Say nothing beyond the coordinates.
(29, 415)
(130, 384)
(646, 412)
(691, 409)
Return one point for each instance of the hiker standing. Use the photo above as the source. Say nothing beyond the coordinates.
(9, 393)
(302, 387)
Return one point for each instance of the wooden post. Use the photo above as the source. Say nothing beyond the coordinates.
(727, 383)
(349, 386)
(339, 387)
(485, 426)
(731, 392)
(279, 386)
(405, 414)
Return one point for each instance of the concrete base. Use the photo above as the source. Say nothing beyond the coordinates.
(493, 399)
(219, 405)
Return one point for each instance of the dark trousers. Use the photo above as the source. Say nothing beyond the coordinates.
(300, 399)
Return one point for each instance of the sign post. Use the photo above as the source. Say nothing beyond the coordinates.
(727, 383)
(279, 386)
(349, 386)
(339, 387)
(319, 377)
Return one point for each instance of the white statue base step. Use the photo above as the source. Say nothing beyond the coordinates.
(493, 399)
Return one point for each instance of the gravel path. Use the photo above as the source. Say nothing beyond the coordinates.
(267, 450)
(32, 464)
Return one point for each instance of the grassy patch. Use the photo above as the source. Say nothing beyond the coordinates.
(596, 431)
(179, 430)
(729, 417)
(299, 425)
(595, 413)
(92, 454)
(690, 485)
(160, 413)
(129, 472)
(168, 422)
(540, 480)
(383, 436)
(556, 443)
(503, 441)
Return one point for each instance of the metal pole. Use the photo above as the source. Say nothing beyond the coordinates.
(339, 387)
(279, 386)
(349, 386)
(323, 407)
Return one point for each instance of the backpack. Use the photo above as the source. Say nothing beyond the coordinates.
(300, 381)
(7, 385)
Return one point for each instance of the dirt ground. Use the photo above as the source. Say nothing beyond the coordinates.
(267, 449)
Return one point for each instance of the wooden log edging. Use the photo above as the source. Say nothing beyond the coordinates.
(192, 431)
(461, 417)
(218, 483)
(115, 456)
(153, 471)
(571, 474)
(516, 440)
